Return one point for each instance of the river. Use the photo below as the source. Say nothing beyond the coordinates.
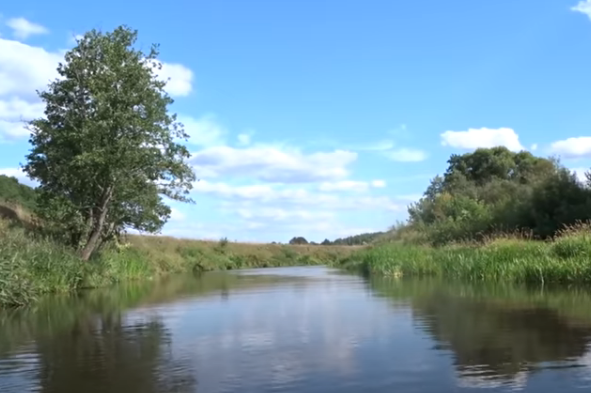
(302, 330)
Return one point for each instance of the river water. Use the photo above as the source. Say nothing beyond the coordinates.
(299, 330)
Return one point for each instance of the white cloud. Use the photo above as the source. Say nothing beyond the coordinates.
(378, 183)
(204, 131)
(350, 185)
(475, 138)
(406, 155)
(177, 215)
(179, 79)
(273, 164)
(280, 214)
(17, 109)
(22, 28)
(14, 113)
(572, 147)
(260, 194)
(25, 69)
(583, 7)
(534, 147)
(12, 130)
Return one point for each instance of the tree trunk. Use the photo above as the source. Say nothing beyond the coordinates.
(104, 239)
(97, 230)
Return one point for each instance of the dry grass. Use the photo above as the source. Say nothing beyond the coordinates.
(14, 212)
(174, 254)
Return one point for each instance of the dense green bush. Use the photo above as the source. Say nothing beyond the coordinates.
(495, 190)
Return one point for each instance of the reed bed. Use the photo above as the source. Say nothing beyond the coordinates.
(564, 259)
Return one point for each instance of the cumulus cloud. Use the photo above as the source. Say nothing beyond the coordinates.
(475, 138)
(14, 113)
(572, 147)
(177, 215)
(204, 131)
(23, 29)
(406, 155)
(261, 194)
(281, 214)
(583, 7)
(25, 69)
(179, 79)
(351, 185)
(273, 164)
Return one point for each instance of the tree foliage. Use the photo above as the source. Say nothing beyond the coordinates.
(495, 189)
(107, 152)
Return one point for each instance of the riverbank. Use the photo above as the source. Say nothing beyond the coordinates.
(30, 266)
(565, 259)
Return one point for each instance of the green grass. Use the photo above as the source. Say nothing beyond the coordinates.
(31, 266)
(566, 259)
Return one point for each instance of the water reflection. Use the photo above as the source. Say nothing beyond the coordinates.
(499, 335)
(299, 330)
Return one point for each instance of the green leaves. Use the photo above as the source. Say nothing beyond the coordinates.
(105, 153)
(491, 190)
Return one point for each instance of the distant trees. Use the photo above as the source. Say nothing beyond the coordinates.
(298, 240)
(495, 189)
(107, 150)
(356, 240)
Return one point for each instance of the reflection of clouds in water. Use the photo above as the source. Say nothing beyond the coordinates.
(18, 372)
(476, 377)
(585, 363)
(281, 334)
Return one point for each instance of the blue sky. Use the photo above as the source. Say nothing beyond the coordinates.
(325, 119)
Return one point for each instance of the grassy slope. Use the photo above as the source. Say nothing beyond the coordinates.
(566, 259)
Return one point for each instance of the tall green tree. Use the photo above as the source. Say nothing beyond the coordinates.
(107, 150)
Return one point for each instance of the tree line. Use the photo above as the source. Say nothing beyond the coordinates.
(355, 240)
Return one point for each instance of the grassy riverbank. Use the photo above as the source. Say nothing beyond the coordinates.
(31, 266)
(565, 259)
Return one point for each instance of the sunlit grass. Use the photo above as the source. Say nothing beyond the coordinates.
(566, 259)
(31, 266)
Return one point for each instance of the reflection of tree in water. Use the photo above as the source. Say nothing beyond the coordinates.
(503, 340)
(109, 355)
(492, 338)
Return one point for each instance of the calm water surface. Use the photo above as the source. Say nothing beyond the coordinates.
(299, 330)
